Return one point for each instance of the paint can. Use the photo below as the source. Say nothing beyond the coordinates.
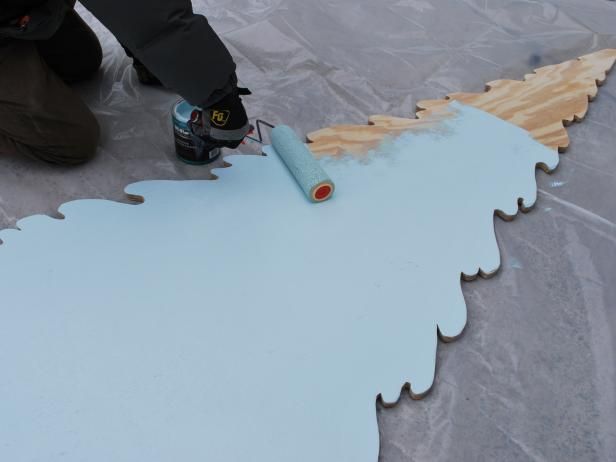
(185, 146)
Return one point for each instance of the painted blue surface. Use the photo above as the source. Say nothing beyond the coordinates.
(181, 113)
(229, 321)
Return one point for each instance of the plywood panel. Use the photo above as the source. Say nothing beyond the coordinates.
(544, 103)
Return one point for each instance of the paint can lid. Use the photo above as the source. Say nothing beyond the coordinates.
(182, 110)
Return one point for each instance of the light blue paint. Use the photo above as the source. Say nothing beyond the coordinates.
(299, 160)
(229, 321)
(515, 263)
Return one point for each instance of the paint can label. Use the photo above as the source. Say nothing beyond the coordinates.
(185, 146)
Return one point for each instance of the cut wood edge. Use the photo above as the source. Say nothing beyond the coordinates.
(407, 387)
(563, 105)
(545, 102)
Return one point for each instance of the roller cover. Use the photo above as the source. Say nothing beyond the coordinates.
(308, 173)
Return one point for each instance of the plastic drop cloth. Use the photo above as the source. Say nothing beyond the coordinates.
(533, 378)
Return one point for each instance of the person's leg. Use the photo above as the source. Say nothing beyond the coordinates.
(74, 52)
(40, 116)
(143, 74)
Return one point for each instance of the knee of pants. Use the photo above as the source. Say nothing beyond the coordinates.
(74, 52)
(88, 66)
(89, 63)
(80, 145)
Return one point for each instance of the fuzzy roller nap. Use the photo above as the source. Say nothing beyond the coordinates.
(310, 176)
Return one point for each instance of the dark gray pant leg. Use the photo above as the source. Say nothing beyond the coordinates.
(73, 52)
(40, 116)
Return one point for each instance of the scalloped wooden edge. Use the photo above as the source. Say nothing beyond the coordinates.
(544, 103)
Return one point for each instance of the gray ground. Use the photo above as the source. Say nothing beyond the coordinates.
(533, 378)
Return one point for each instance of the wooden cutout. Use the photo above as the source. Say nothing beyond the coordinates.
(232, 320)
(542, 104)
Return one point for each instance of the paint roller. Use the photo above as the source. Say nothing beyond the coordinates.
(308, 173)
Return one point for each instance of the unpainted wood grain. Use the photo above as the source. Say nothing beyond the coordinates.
(544, 103)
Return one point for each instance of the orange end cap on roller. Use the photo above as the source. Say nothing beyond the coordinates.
(322, 192)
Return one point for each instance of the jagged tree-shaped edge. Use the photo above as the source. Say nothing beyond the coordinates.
(544, 104)
(587, 73)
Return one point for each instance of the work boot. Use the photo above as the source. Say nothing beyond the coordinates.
(228, 120)
(224, 124)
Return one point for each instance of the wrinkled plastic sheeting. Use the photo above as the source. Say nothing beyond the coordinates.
(533, 378)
